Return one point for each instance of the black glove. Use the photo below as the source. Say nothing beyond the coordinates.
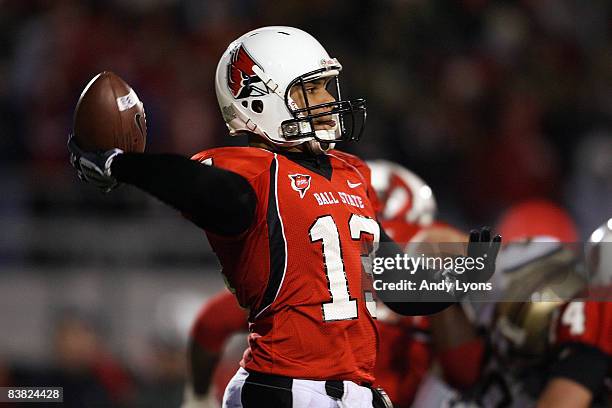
(481, 245)
(481, 248)
(94, 167)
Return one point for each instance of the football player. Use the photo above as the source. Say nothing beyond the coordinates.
(581, 373)
(514, 366)
(288, 219)
(217, 320)
(407, 206)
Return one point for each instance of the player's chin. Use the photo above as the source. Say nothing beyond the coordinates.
(328, 125)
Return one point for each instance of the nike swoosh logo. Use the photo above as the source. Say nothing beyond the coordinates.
(352, 185)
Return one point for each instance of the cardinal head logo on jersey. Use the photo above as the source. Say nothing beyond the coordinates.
(300, 183)
(241, 79)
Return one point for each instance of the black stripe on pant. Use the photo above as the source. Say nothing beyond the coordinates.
(265, 390)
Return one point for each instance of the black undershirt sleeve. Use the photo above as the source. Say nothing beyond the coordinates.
(389, 249)
(220, 201)
(583, 364)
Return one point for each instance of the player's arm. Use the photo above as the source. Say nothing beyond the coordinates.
(454, 338)
(418, 358)
(389, 249)
(578, 372)
(217, 200)
(564, 393)
(459, 348)
(576, 376)
(480, 245)
(451, 329)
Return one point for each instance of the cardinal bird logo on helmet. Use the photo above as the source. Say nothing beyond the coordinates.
(241, 79)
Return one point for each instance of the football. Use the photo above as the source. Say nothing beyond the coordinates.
(109, 115)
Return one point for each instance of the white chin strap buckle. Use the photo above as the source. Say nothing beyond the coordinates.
(326, 134)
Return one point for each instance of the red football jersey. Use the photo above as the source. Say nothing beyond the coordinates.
(299, 269)
(403, 359)
(404, 356)
(585, 322)
(218, 319)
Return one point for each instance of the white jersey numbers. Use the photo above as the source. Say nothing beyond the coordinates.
(573, 316)
(359, 225)
(342, 306)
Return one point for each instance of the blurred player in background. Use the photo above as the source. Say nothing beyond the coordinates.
(407, 204)
(510, 365)
(218, 319)
(288, 219)
(581, 371)
(408, 213)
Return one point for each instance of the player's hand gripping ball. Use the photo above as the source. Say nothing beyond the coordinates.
(109, 119)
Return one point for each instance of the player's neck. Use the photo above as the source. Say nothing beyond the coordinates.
(266, 146)
(255, 141)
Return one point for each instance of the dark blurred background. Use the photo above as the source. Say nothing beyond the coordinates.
(491, 102)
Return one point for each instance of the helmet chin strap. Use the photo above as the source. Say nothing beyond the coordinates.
(326, 134)
(316, 147)
(319, 147)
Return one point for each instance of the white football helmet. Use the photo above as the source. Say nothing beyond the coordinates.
(253, 82)
(403, 194)
(598, 255)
